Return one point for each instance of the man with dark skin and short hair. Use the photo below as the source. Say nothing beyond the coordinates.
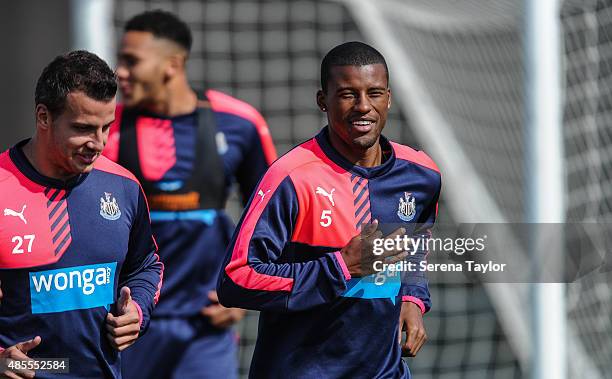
(78, 264)
(302, 253)
(187, 148)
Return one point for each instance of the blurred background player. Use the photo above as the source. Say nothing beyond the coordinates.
(187, 148)
(75, 230)
(298, 254)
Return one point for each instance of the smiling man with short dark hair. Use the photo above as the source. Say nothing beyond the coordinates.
(297, 255)
(78, 264)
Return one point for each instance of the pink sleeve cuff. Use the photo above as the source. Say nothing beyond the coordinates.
(416, 301)
(345, 271)
(139, 313)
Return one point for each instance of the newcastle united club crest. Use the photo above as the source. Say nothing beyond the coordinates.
(109, 209)
(406, 208)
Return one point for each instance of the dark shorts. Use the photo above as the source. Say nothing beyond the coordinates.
(182, 348)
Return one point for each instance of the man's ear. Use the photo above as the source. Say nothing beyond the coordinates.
(389, 102)
(175, 63)
(321, 101)
(44, 119)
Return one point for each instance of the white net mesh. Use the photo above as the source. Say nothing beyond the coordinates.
(469, 55)
(588, 142)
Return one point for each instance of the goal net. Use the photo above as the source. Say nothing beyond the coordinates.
(587, 117)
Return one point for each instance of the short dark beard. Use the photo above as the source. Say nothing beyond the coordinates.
(365, 143)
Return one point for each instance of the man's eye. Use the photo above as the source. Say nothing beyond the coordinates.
(128, 61)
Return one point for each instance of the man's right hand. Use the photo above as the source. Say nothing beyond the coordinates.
(358, 252)
(18, 352)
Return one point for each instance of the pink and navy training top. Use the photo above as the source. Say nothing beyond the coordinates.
(66, 248)
(192, 240)
(284, 260)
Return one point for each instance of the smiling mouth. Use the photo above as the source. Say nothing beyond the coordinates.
(363, 126)
(87, 158)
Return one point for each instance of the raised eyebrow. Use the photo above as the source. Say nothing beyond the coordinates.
(89, 126)
(124, 55)
(341, 89)
(82, 125)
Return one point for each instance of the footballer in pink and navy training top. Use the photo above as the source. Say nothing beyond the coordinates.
(296, 254)
(78, 263)
(188, 149)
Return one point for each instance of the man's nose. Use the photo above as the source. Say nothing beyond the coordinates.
(122, 72)
(363, 104)
(97, 142)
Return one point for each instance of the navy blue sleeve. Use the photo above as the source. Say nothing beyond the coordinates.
(142, 270)
(260, 272)
(252, 167)
(415, 286)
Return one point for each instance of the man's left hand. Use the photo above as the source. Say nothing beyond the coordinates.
(411, 321)
(220, 316)
(123, 329)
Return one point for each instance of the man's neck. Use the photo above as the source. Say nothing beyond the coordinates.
(178, 99)
(369, 157)
(35, 153)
